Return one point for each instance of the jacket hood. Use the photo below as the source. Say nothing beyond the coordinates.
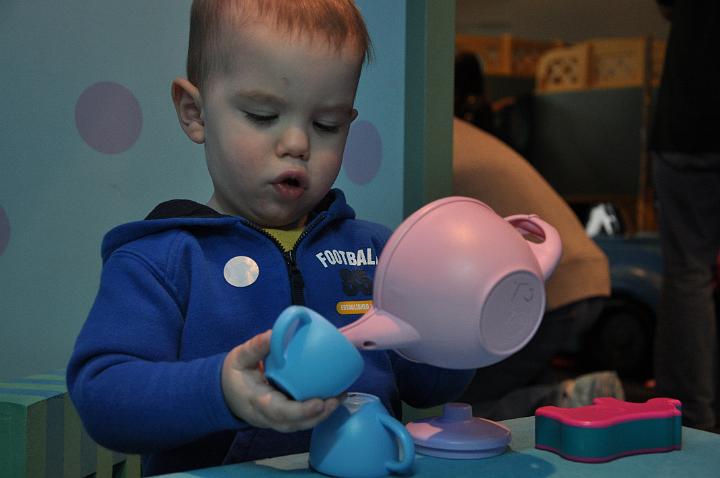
(186, 214)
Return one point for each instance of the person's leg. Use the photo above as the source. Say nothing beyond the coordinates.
(511, 388)
(686, 347)
(520, 402)
(570, 393)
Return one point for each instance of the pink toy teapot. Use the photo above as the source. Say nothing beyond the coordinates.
(458, 286)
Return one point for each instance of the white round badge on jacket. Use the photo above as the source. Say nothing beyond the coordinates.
(241, 271)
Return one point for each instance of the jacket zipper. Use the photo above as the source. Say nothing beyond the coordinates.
(297, 283)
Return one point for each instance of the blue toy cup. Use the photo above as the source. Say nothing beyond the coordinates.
(361, 439)
(309, 357)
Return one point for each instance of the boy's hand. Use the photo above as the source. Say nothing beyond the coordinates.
(253, 400)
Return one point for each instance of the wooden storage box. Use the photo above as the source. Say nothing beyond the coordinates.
(601, 63)
(505, 55)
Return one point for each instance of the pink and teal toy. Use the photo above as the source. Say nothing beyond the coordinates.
(609, 429)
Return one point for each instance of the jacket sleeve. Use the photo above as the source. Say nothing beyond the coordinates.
(124, 377)
(423, 385)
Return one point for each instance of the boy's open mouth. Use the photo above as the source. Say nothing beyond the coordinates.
(292, 179)
(290, 185)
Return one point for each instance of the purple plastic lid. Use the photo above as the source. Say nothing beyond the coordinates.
(457, 434)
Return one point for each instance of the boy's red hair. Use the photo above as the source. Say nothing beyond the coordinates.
(338, 21)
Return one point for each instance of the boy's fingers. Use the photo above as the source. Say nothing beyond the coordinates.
(253, 351)
(278, 408)
(289, 415)
(325, 408)
(311, 408)
(329, 406)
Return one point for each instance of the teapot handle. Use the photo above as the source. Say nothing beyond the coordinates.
(547, 252)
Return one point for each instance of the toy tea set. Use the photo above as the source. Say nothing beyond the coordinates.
(476, 298)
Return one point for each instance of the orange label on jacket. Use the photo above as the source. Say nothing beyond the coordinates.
(349, 307)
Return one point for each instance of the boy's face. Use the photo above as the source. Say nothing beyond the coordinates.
(275, 124)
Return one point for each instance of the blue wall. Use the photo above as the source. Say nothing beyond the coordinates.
(64, 181)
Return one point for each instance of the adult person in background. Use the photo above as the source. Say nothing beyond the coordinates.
(507, 118)
(685, 151)
(487, 169)
(471, 102)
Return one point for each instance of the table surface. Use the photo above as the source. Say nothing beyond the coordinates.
(699, 457)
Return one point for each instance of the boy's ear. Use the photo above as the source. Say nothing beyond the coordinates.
(188, 105)
(353, 115)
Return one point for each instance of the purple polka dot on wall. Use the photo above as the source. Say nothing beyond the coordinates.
(363, 153)
(108, 117)
(4, 230)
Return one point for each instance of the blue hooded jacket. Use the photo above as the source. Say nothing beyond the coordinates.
(145, 372)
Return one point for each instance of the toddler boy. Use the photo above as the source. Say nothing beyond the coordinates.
(157, 368)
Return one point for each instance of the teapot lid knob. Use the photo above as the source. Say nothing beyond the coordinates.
(456, 412)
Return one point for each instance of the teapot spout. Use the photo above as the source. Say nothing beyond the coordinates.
(379, 330)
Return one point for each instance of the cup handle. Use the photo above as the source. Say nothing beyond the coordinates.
(406, 444)
(547, 252)
(283, 325)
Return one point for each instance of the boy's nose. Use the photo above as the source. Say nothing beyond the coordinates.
(294, 142)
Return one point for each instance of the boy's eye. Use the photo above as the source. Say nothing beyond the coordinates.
(260, 118)
(327, 128)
